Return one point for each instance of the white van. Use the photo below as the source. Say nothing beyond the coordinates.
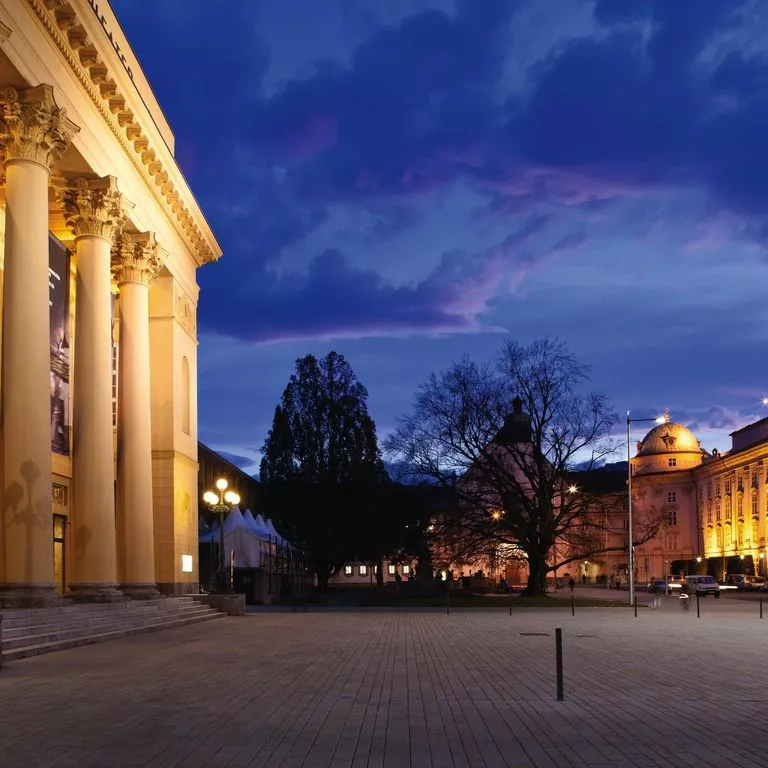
(701, 585)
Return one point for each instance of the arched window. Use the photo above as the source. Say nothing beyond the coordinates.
(186, 397)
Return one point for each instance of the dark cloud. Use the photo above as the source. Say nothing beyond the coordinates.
(321, 302)
(243, 462)
(423, 104)
(414, 102)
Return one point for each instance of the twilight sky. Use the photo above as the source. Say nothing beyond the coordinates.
(408, 180)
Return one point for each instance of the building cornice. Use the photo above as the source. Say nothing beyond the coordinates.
(60, 21)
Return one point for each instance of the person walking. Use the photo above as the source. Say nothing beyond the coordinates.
(656, 597)
(571, 583)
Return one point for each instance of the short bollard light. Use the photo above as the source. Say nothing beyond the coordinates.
(559, 662)
(573, 605)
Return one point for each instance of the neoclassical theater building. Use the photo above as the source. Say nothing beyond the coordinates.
(101, 239)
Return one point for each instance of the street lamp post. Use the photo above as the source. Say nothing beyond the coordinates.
(221, 503)
(631, 545)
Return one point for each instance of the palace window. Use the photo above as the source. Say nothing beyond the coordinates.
(671, 497)
(728, 536)
(406, 569)
(363, 570)
(717, 487)
(347, 570)
(719, 538)
(754, 505)
(713, 539)
(709, 489)
(754, 477)
(392, 570)
(727, 507)
(717, 511)
(740, 506)
(740, 534)
(672, 462)
(672, 517)
(672, 543)
(728, 487)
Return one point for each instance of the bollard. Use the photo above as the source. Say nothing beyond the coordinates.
(635, 607)
(573, 605)
(761, 611)
(510, 602)
(559, 662)
(698, 611)
(447, 603)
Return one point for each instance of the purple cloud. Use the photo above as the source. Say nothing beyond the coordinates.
(333, 298)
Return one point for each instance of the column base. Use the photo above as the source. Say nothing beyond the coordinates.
(140, 591)
(21, 595)
(95, 593)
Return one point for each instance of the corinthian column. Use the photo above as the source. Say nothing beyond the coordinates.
(34, 134)
(95, 213)
(136, 261)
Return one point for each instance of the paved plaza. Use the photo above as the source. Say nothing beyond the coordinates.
(403, 689)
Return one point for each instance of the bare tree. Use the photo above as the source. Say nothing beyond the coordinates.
(504, 438)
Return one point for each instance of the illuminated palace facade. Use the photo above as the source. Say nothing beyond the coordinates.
(712, 507)
(101, 239)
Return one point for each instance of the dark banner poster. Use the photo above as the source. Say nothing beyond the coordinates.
(58, 284)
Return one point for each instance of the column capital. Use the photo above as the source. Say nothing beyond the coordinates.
(32, 127)
(94, 207)
(136, 258)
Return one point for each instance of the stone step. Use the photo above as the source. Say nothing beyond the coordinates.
(62, 644)
(82, 613)
(88, 608)
(13, 641)
(12, 629)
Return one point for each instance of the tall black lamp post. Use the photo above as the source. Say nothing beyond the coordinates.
(221, 503)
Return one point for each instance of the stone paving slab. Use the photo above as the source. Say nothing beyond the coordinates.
(402, 690)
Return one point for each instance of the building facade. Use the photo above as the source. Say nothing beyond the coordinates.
(710, 509)
(101, 239)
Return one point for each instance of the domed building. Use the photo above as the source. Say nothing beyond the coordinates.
(664, 500)
(668, 446)
(710, 509)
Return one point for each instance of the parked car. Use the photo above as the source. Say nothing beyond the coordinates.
(701, 585)
(751, 583)
(657, 585)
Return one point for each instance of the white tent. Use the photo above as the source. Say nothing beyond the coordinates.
(253, 523)
(244, 535)
(273, 532)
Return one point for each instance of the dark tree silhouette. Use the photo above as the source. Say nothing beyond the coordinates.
(503, 438)
(319, 455)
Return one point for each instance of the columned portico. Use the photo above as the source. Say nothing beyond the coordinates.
(95, 213)
(74, 525)
(35, 132)
(137, 260)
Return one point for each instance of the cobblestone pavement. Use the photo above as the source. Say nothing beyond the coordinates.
(399, 690)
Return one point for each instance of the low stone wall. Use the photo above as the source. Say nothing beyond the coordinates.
(232, 605)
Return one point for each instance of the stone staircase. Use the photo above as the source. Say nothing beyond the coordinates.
(30, 632)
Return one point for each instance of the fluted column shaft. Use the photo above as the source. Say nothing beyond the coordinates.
(35, 132)
(136, 262)
(95, 213)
